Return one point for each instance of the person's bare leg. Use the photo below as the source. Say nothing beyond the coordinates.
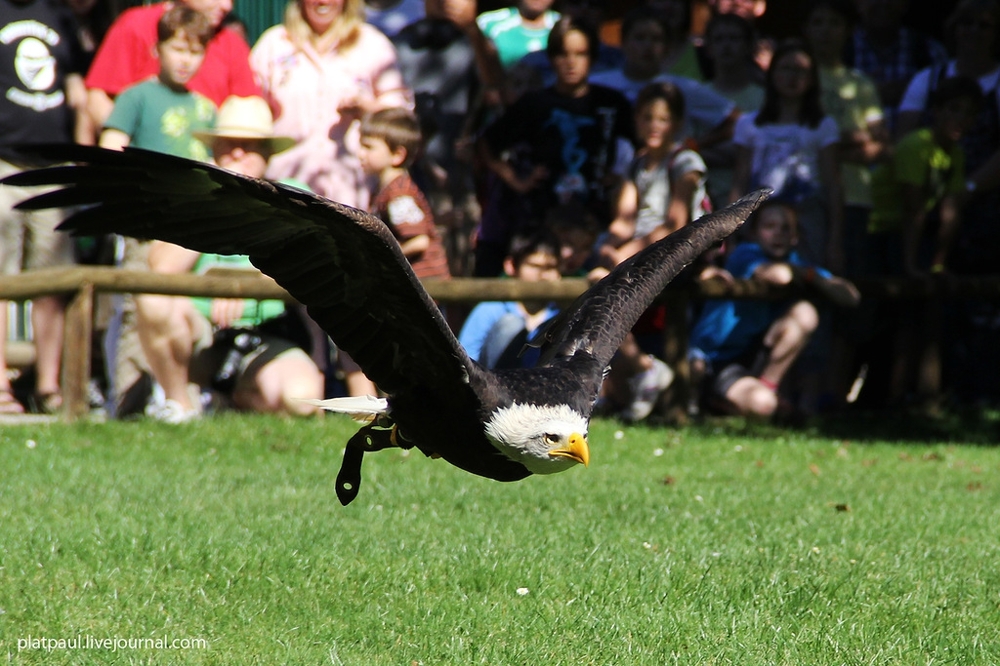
(929, 363)
(631, 356)
(903, 362)
(280, 385)
(48, 318)
(167, 329)
(8, 403)
(357, 383)
(752, 397)
(786, 338)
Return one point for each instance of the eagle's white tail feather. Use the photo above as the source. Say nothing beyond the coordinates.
(362, 408)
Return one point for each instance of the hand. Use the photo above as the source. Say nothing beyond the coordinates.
(840, 291)
(352, 109)
(608, 256)
(226, 311)
(533, 180)
(713, 272)
(362, 101)
(597, 274)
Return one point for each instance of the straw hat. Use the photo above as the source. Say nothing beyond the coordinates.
(245, 118)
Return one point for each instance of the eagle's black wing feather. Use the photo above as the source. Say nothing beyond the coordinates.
(342, 263)
(597, 322)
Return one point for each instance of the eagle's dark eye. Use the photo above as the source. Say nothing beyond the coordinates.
(551, 439)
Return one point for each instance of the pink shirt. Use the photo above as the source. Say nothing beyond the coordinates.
(127, 55)
(305, 90)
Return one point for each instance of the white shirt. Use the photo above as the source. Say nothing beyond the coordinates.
(785, 156)
(918, 91)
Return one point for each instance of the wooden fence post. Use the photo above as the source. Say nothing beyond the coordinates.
(76, 351)
(674, 401)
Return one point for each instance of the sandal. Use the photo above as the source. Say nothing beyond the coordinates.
(9, 404)
(45, 403)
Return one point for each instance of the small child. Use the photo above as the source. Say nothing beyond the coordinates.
(665, 188)
(664, 191)
(742, 349)
(926, 172)
(917, 200)
(578, 229)
(160, 113)
(390, 142)
(494, 333)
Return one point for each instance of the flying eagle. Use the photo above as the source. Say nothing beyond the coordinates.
(346, 267)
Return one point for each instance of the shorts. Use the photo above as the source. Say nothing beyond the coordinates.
(718, 380)
(28, 239)
(207, 358)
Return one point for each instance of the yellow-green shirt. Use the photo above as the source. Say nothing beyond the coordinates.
(919, 161)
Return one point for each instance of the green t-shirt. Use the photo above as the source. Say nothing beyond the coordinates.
(254, 312)
(514, 40)
(158, 118)
(919, 161)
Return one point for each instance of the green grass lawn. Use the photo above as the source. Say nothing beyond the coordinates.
(716, 544)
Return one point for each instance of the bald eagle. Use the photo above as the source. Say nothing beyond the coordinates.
(346, 267)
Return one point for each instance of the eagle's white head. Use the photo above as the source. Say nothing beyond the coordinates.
(545, 439)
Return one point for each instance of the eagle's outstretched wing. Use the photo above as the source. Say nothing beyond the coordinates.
(342, 263)
(599, 319)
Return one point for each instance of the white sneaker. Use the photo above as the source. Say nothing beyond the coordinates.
(646, 389)
(170, 411)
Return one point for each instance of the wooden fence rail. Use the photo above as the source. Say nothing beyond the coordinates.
(82, 283)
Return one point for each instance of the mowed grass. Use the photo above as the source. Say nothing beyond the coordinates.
(717, 544)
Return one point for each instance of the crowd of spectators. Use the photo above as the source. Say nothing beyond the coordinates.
(540, 140)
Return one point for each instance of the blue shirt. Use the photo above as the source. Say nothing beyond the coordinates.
(727, 328)
(482, 319)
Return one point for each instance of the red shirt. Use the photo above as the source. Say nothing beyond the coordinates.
(403, 207)
(127, 55)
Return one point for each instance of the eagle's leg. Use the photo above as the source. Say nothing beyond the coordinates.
(368, 438)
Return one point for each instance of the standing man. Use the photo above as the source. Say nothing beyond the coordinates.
(128, 55)
(42, 90)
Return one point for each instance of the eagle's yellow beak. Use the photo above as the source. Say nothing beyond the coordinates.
(577, 449)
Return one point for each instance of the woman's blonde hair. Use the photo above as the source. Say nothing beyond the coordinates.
(342, 34)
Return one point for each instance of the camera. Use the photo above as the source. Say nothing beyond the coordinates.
(239, 343)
